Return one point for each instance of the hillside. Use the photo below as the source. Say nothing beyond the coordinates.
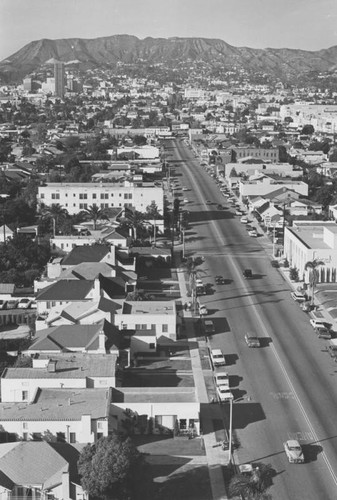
(108, 51)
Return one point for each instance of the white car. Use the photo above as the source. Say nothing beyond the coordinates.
(24, 303)
(252, 233)
(185, 200)
(203, 311)
(217, 358)
(238, 212)
(244, 220)
(318, 323)
(294, 451)
(224, 394)
(221, 379)
(185, 188)
(298, 297)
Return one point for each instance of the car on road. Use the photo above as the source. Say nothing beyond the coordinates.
(24, 303)
(208, 202)
(223, 394)
(299, 297)
(323, 333)
(237, 212)
(220, 280)
(184, 188)
(243, 219)
(3, 304)
(332, 349)
(247, 273)
(275, 263)
(253, 233)
(219, 207)
(218, 359)
(252, 340)
(185, 200)
(294, 451)
(209, 326)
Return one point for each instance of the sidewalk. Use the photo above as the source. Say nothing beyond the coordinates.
(216, 457)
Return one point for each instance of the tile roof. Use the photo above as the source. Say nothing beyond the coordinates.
(86, 253)
(7, 287)
(88, 272)
(31, 462)
(113, 287)
(59, 405)
(66, 337)
(66, 290)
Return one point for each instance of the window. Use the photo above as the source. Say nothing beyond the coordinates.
(104, 196)
(72, 437)
(60, 437)
(24, 425)
(99, 425)
(137, 326)
(25, 436)
(99, 435)
(143, 327)
(42, 196)
(182, 423)
(83, 196)
(24, 395)
(153, 327)
(164, 328)
(55, 196)
(152, 346)
(94, 196)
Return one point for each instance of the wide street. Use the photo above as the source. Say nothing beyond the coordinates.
(287, 388)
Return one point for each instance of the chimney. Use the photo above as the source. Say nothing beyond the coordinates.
(65, 486)
(101, 342)
(96, 293)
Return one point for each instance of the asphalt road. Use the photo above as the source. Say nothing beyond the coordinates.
(287, 389)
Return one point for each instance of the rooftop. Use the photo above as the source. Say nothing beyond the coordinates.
(66, 290)
(86, 253)
(312, 234)
(154, 394)
(59, 404)
(149, 307)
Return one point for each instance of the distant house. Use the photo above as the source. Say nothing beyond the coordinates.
(305, 207)
(5, 233)
(36, 470)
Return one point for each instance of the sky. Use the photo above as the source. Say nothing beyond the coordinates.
(296, 24)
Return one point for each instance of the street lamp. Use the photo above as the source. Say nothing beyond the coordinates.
(231, 401)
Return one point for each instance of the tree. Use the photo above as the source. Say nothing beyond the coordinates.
(153, 213)
(253, 486)
(193, 274)
(308, 129)
(312, 266)
(95, 213)
(55, 212)
(139, 140)
(113, 469)
(135, 219)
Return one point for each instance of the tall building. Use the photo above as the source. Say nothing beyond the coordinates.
(27, 84)
(59, 78)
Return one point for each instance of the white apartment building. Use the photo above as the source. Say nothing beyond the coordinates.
(306, 241)
(267, 185)
(322, 117)
(78, 196)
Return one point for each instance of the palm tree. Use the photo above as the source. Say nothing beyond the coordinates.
(253, 486)
(95, 213)
(193, 274)
(135, 220)
(56, 213)
(313, 275)
(153, 214)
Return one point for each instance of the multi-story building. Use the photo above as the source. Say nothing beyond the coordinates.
(79, 196)
(264, 154)
(59, 78)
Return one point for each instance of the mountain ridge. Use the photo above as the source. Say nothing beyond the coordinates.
(283, 63)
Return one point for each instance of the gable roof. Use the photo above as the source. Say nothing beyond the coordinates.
(63, 337)
(66, 290)
(113, 287)
(86, 253)
(83, 271)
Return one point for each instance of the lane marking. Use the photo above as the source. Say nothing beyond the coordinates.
(283, 369)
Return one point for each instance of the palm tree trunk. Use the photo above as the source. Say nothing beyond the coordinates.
(155, 232)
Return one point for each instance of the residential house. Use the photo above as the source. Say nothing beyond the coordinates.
(267, 185)
(59, 371)
(39, 470)
(71, 415)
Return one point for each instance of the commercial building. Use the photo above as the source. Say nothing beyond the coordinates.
(306, 241)
(59, 78)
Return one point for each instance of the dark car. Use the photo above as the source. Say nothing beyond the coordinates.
(275, 263)
(220, 280)
(219, 207)
(247, 273)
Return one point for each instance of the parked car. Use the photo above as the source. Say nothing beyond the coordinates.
(221, 379)
(294, 451)
(299, 297)
(244, 219)
(237, 212)
(323, 333)
(275, 263)
(217, 358)
(317, 323)
(203, 311)
(3, 304)
(209, 326)
(332, 349)
(220, 280)
(252, 340)
(185, 188)
(24, 303)
(247, 273)
(219, 207)
(12, 304)
(223, 394)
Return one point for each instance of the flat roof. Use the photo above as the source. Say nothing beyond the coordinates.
(311, 235)
(154, 395)
(59, 404)
(149, 307)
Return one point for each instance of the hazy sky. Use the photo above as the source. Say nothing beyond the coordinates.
(304, 24)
